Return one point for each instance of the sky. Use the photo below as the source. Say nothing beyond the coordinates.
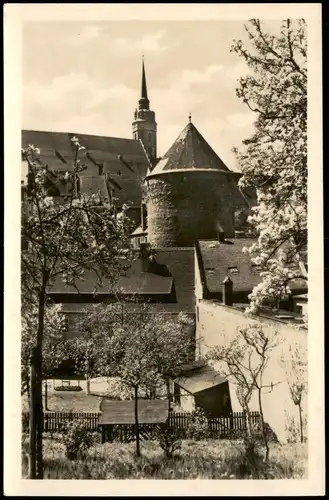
(86, 77)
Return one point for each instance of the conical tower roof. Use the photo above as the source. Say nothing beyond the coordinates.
(189, 152)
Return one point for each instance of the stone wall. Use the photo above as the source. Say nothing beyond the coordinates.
(217, 324)
(186, 206)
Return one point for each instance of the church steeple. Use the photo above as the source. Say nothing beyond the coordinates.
(144, 103)
(144, 124)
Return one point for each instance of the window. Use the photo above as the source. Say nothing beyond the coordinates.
(256, 268)
(149, 137)
(177, 394)
(233, 270)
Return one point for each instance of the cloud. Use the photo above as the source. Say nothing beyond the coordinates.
(87, 34)
(189, 77)
(72, 98)
(243, 121)
(150, 42)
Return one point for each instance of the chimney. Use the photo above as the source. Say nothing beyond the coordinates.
(221, 236)
(143, 216)
(227, 291)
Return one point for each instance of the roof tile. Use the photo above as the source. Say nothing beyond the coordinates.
(190, 151)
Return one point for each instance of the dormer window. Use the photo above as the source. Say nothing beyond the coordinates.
(256, 268)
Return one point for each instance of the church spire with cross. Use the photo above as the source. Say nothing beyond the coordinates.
(144, 124)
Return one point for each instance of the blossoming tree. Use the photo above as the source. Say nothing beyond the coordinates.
(60, 239)
(274, 159)
(144, 349)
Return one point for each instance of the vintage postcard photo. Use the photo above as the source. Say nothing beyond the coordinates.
(163, 249)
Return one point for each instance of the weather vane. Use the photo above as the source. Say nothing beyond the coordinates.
(190, 117)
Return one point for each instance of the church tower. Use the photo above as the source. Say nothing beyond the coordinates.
(144, 124)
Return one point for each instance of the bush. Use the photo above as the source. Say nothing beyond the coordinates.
(73, 388)
(198, 427)
(169, 440)
(77, 440)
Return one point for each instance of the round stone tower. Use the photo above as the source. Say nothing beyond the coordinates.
(190, 194)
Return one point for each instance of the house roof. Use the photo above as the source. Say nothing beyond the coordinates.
(171, 273)
(123, 412)
(139, 232)
(200, 379)
(190, 151)
(219, 260)
(127, 172)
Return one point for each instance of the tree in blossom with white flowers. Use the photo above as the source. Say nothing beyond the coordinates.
(274, 159)
(60, 240)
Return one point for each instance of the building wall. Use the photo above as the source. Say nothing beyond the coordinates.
(186, 400)
(216, 324)
(186, 206)
(215, 401)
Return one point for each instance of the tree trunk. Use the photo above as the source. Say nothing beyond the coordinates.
(138, 451)
(248, 421)
(168, 393)
(38, 410)
(301, 423)
(262, 424)
(46, 395)
(32, 426)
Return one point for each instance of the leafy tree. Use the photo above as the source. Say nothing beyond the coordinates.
(274, 159)
(294, 363)
(54, 346)
(143, 349)
(243, 361)
(60, 240)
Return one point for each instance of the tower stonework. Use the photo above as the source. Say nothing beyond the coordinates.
(144, 125)
(191, 194)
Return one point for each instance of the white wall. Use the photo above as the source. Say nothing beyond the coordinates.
(218, 323)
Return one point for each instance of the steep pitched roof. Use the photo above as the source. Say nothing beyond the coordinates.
(123, 412)
(190, 151)
(127, 172)
(219, 260)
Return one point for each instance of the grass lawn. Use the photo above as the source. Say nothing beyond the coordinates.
(212, 459)
(69, 401)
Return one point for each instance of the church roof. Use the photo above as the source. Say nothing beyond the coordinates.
(124, 161)
(190, 151)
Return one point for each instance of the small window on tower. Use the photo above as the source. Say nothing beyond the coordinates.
(149, 137)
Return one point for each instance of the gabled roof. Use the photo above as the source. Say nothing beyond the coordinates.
(200, 379)
(190, 151)
(219, 260)
(139, 232)
(127, 173)
(123, 412)
(171, 274)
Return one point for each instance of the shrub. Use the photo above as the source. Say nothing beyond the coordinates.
(169, 440)
(198, 427)
(73, 388)
(77, 440)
